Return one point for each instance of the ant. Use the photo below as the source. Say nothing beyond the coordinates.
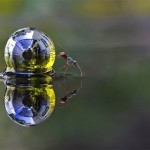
(70, 61)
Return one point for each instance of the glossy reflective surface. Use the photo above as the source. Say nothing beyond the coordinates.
(30, 100)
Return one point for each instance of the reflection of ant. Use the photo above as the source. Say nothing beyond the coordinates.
(69, 94)
(70, 61)
(63, 100)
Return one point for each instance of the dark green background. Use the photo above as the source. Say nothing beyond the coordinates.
(111, 40)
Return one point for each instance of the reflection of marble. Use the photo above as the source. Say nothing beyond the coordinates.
(28, 105)
(30, 100)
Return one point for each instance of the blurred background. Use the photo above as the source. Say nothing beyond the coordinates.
(110, 39)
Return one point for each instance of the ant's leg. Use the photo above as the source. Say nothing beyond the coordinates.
(63, 67)
(63, 80)
(66, 88)
(66, 69)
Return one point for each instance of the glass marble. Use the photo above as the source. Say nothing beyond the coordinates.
(29, 51)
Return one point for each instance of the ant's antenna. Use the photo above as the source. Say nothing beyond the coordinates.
(60, 46)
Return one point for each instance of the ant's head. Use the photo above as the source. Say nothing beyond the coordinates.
(63, 54)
